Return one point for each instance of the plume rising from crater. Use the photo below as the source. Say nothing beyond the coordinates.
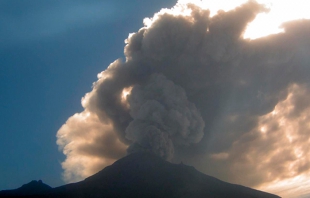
(193, 89)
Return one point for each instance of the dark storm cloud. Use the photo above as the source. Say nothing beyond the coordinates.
(193, 89)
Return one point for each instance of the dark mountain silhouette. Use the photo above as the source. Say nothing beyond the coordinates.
(145, 175)
(32, 188)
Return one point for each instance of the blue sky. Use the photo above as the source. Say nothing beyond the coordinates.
(51, 52)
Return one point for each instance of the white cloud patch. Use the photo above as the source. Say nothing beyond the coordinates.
(88, 144)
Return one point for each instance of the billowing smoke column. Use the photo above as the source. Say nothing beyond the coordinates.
(193, 89)
(163, 117)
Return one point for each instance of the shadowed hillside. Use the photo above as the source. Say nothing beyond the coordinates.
(146, 175)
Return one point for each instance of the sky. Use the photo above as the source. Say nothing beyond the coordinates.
(212, 89)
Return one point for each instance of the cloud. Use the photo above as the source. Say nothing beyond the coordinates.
(162, 117)
(88, 144)
(193, 89)
(276, 148)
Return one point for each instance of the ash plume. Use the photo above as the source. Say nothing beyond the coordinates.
(162, 117)
(192, 89)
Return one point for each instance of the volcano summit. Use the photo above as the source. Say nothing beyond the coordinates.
(143, 174)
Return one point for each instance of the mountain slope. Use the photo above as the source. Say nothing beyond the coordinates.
(31, 188)
(146, 175)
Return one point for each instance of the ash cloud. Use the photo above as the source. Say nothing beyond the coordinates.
(193, 89)
(162, 117)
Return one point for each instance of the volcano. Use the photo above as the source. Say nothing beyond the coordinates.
(142, 175)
